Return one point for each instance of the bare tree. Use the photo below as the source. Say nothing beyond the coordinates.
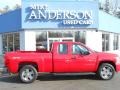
(1, 11)
(117, 13)
(100, 6)
(116, 6)
(107, 6)
(5, 9)
(16, 6)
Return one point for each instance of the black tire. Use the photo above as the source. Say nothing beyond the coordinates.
(28, 74)
(106, 71)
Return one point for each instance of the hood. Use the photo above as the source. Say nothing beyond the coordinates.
(106, 56)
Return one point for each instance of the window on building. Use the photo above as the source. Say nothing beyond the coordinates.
(54, 34)
(10, 42)
(105, 42)
(5, 43)
(80, 36)
(67, 34)
(16, 42)
(41, 40)
(116, 42)
(60, 34)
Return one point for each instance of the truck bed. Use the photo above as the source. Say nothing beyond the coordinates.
(38, 51)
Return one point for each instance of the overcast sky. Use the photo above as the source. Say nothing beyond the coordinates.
(12, 3)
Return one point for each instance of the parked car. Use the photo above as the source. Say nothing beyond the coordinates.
(64, 57)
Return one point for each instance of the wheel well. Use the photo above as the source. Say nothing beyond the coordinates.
(109, 62)
(28, 63)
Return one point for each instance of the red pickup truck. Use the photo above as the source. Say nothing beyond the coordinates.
(64, 57)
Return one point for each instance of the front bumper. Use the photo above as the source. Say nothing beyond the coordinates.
(118, 68)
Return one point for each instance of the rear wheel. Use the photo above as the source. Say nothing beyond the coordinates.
(106, 71)
(28, 74)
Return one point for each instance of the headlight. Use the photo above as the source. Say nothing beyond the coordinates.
(117, 60)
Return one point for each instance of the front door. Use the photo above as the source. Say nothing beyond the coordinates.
(61, 58)
(81, 59)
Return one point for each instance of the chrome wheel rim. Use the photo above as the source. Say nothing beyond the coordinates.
(106, 72)
(28, 75)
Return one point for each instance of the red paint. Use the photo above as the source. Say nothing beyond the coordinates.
(55, 62)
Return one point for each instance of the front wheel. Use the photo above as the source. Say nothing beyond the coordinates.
(28, 74)
(106, 71)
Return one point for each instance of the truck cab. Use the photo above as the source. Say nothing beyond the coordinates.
(73, 57)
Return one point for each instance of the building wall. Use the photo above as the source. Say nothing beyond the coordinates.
(10, 21)
(114, 51)
(27, 40)
(111, 41)
(94, 40)
(108, 22)
(1, 44)
(119, 42)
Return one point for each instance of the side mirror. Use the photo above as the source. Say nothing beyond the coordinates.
(85, 53)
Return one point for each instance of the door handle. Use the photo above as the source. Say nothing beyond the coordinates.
(73, 57)
(67, 61)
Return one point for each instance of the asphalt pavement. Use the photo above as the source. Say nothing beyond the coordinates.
(61, 82)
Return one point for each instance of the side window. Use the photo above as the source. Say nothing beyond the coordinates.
(63, 49)
(78, 49)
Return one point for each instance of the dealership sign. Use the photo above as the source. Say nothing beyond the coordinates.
(59, 14)
(42, 12)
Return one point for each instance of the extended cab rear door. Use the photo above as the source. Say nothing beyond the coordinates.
(61, 57)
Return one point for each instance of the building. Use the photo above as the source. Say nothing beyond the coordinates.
(39, 23)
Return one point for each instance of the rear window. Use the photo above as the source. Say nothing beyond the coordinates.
(63, 49)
